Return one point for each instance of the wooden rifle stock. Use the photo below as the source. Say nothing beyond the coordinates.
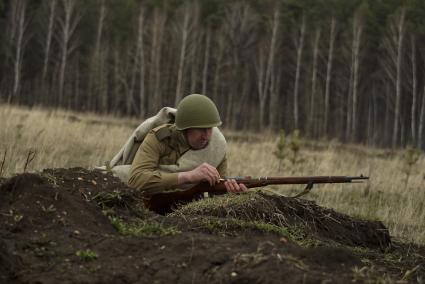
(163, 202)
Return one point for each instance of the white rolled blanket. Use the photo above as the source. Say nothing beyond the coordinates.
(120, 164)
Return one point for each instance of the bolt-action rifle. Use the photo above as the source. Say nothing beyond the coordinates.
(163, 202)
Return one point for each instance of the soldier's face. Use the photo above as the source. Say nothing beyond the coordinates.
(198, 138)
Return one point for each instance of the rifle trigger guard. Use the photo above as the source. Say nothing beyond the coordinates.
(306, 190)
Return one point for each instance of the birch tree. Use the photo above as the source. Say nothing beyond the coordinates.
(329, 65)
(48, 42)
(206, 63)
(312, 119)
(139, 64)
(141, 56)
(239, 30)
(415, 25)
(400, 22)
(96, 73)
(299, 46)
(157, 37)
(184, 39)
(188, 42)
(218, 53)
(414, 87)
(18, 24)
(393, 44)
(420, 142)
(266, 67)
(357, 31)
(67, 22)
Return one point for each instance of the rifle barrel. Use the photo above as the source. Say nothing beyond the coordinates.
(163, 202)
(299, 180)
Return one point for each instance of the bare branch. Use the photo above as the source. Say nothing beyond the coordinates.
(30, 157)
(3, 161)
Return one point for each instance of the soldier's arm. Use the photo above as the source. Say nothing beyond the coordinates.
(146, 175)
(144, 172)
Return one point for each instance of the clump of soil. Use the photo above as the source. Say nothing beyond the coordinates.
(82, 226)
(315, 221)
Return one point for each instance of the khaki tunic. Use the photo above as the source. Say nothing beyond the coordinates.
(163, 145)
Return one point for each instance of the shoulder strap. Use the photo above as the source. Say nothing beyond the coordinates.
(162, 133)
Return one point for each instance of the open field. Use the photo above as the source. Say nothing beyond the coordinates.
(65, 139)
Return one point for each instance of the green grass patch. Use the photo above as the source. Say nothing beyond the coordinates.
(232, 226)
(140, 228)
(216, 203)
(86, 255)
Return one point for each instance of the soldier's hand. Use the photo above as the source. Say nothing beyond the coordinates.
(233, 187)
(204, 172)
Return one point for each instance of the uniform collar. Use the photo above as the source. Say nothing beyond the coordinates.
(179, 140)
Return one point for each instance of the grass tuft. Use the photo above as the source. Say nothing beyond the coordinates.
(141, 228)
(86, 255)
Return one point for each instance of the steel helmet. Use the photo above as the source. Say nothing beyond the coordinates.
(197, 111)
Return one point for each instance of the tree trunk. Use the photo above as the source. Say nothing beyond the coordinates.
(103, 78)
(97, 59)
(180, 72)
(266, 69)
(414, 90)
(19, 47)
(358, 30)
(52, 11)
(232, 91)
(68, 6)
(351, 126)
(387, 113)
(369, 132)
(94, 92)
(261, 65)
(218, 65)
(76, 92)
(194, 55)
(420, 144)
(10, 31)
(275, 87)
(116, 78)
(141, 55)
(329, 73)
(271, 61)
(155, 56)
(206, 61)
(400, 38)
(67, 25)
(312, 121)
(138, 66)
(300, 47)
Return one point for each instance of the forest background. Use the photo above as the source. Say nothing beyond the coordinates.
(346, 69)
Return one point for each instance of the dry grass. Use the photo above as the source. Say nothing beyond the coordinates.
(58, 138)
(385, 197)
(65, 139)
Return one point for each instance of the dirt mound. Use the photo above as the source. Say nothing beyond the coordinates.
(81, 226)
(316, 221)
(35, 203)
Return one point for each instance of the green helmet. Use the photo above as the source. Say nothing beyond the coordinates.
(197, 111)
